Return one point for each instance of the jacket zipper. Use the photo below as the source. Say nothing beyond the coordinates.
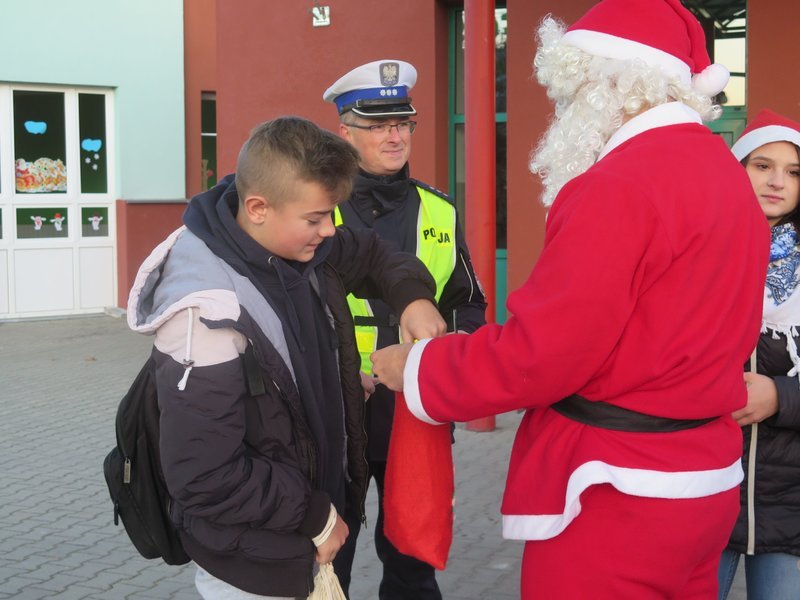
(751, 487)
(313, 467)
(363, 506)
(751, 471)
(188, 363)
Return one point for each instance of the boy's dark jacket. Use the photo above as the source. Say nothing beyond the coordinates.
(252, 477)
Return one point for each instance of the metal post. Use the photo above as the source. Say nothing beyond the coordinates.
(479, 128)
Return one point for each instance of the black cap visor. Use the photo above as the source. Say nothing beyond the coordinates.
(382, 107)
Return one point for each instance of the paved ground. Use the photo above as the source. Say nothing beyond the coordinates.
(60, 382)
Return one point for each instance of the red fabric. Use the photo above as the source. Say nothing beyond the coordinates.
(765, 128)
(636, 300)
(766, 118)
(630, 547)
(678, 33)
(419, 486)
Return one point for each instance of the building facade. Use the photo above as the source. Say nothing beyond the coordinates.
(91, 111)
(112, 114)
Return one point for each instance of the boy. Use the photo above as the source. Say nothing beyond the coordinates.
(259, 467)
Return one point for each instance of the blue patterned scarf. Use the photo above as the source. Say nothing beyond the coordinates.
(784, 258)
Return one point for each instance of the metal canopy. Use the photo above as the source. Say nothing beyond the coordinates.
(728, 16)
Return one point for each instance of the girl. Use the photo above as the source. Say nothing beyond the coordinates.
(767, 531)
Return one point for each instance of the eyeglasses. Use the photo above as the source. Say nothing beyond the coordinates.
(381, 129)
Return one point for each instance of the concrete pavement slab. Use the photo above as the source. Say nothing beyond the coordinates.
(60, 382)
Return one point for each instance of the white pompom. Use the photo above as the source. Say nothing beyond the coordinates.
(711, 81)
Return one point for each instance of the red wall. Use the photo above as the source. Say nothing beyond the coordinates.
(529, 112)
(200, 72)
(772, 79)
(141, 227)
(273, 62)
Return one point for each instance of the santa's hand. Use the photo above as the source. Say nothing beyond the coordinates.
(388, 365)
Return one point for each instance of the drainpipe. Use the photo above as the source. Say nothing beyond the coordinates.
(479, 130)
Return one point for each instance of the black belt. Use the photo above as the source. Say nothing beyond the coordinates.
(608, 416)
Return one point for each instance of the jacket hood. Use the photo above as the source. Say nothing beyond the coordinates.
(190, 278)
(211, 216)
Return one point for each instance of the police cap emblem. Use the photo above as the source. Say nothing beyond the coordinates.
(389, 73)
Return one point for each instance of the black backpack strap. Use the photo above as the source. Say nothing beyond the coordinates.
(252, 373)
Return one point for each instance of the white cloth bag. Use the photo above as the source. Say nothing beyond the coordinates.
(326, 585)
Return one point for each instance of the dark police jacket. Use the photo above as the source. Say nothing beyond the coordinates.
(390, 206)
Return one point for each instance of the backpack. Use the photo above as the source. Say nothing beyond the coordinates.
(134, 477)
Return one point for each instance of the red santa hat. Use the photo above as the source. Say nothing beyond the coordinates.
(766, 127)
(662, 33)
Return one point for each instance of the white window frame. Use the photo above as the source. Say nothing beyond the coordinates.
(72, 199)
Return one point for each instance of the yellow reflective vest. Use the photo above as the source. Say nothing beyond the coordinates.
(436, 248)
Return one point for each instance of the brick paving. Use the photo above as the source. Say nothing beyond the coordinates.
(60, 381)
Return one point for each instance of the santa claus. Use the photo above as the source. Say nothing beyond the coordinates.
(625, 345)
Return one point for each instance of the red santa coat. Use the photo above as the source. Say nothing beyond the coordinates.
(647, 295)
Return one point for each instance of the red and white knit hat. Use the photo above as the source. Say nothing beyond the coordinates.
(662, 33)
(764, 128)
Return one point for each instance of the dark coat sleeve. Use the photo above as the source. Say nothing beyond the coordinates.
(374, 268)
(210, 468)
(788, 415)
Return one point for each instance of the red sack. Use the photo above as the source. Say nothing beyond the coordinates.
(419, 487)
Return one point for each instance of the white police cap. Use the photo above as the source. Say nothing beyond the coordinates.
(376, 89)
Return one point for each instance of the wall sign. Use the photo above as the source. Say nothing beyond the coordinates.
(320, 15)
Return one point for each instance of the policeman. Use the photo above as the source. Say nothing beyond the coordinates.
(376, 113)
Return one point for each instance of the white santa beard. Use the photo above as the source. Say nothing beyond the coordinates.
(572, 142)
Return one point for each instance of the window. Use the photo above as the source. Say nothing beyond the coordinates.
(730, 50)
(93, 146)
(40, 223)
(208, 135)
(40, 152)
(726, 21)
